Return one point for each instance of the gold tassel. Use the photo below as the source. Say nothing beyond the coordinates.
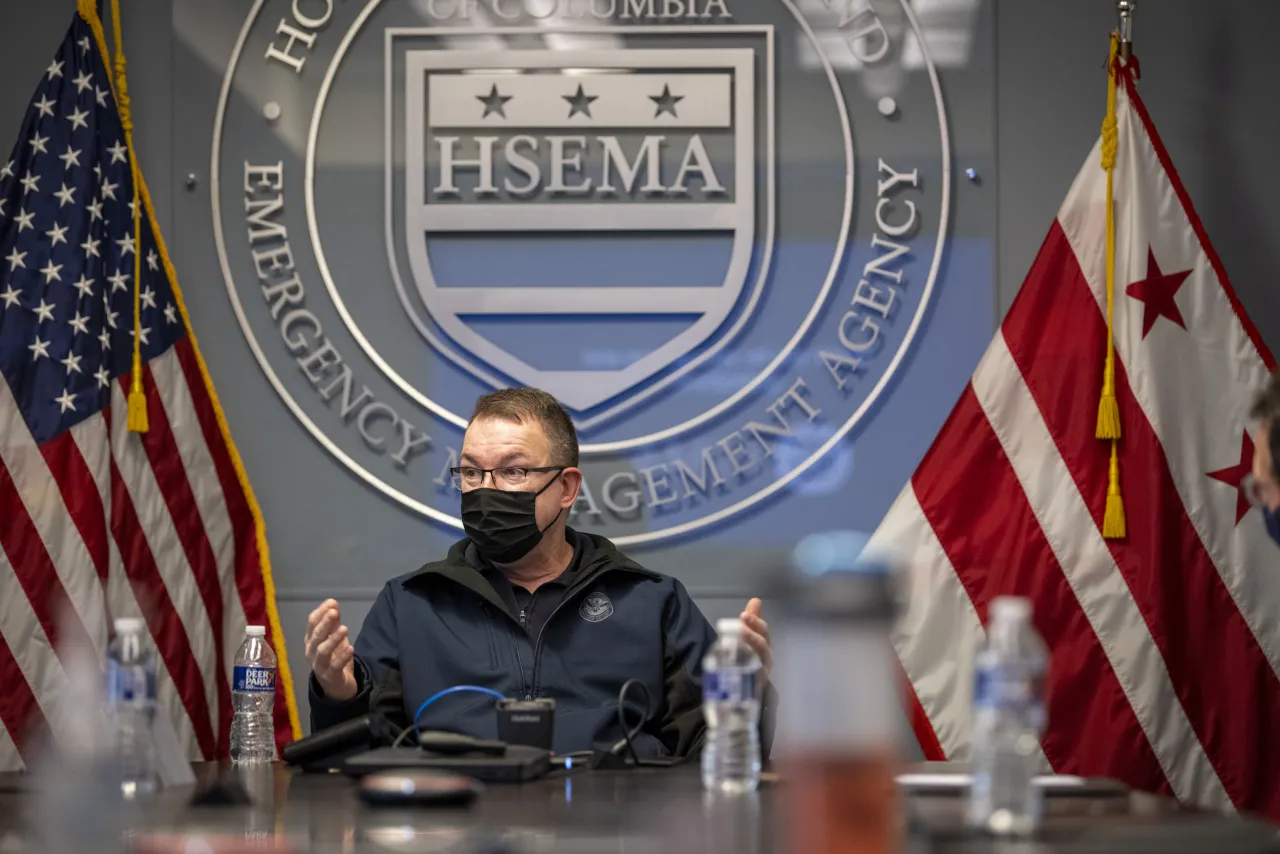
(1108, 417)
(1108, 426)
(1113, 526)
(137, 406)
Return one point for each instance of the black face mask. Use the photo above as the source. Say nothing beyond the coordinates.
(502, 524)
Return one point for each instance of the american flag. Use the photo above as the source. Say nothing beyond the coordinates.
(1165, 641)
(110, 522)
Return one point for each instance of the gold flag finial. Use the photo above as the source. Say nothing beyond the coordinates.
(1125, 10)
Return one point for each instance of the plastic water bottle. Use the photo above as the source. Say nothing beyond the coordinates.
(131, 707)
(1008, 720)
(253, 694)
(731, 703)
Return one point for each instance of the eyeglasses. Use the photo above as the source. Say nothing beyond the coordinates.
(507, 477)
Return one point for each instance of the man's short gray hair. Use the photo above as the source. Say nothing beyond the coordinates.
(521, 404)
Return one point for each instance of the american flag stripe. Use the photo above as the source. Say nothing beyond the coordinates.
(94, 446)
(1127, 676)
(21, 712)
(1164, 642)
(256, 594)
(30, 564)
(147, 492)
(207, 508)
(90, 482)
(47, 540)
(172, 483)
(163, 620)
(238, 513)
(32, 651)
(10, 757)
(208, 497)
(34, 510)
(156, 540)
(68, 468)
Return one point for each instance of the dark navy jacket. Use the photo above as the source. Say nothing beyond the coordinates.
(445, 625)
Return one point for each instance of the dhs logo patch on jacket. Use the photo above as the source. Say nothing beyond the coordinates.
(596, 607)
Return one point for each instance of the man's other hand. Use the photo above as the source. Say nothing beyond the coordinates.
(330, 653)
(755, 631)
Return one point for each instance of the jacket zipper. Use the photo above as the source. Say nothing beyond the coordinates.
(515, 649)
(568, 594)
(515, 646)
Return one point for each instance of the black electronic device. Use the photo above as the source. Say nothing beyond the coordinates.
(328, 749)
(529, 722)
(418, 788)
(517, 764)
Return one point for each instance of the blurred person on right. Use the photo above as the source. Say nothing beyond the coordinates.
(1262, 485)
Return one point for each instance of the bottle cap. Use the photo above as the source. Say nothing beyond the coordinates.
(255, 631)
(128, 625)
(729, 626)
(1012, 608)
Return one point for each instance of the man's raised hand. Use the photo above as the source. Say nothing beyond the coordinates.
(330, 653)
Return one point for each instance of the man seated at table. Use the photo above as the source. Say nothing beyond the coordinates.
(525, 606)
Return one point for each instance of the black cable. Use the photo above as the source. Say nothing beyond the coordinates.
(407, 731)
(629, 733)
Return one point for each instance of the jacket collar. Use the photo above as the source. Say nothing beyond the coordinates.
(462, 565)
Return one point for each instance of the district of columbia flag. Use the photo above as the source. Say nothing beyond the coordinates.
(98, 518)
(1165, 640)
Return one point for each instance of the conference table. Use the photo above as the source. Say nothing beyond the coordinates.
(663, 811)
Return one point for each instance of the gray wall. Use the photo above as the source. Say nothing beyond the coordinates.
(1207, 82)
(1209, 73)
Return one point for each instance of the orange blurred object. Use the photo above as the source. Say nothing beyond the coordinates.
(836, 672)
(841, 804)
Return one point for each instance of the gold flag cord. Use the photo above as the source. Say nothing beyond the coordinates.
(1108, 427)
(137, 398)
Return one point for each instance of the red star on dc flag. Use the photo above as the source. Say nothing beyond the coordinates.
(1156, 292)
(1234, 474)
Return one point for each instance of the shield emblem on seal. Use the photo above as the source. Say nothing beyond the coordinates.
(581, 220)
